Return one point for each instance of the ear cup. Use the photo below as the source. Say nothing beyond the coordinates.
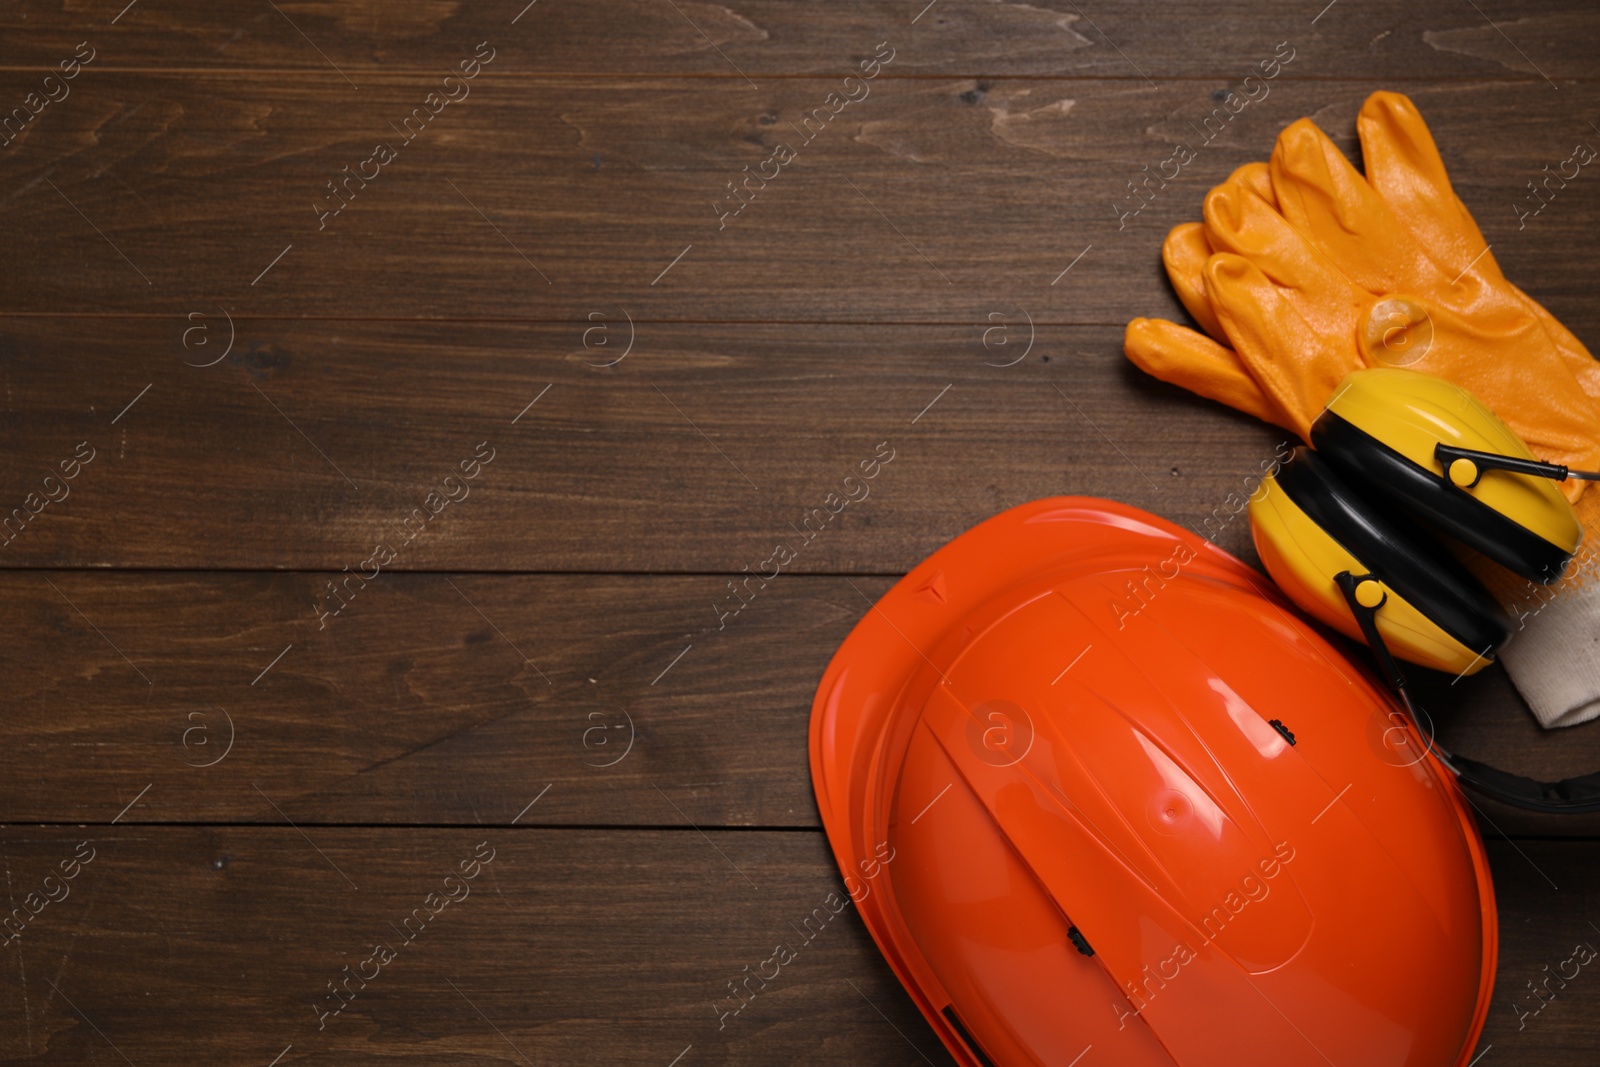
(1379, 432)
(1309, 525)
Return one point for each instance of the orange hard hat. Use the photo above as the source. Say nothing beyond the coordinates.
(1097, 793)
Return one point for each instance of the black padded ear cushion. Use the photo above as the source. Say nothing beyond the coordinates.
(1401, 556)
(1366, 461)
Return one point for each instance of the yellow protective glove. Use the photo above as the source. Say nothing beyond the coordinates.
(1177, 354)
(1404, 167)
(1313, 274)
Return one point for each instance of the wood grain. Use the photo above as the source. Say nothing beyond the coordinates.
(929, 201)
(417, 703)
(1118, 38)
(271, 783)
(458, 699)
(698, 452)
(570, 946)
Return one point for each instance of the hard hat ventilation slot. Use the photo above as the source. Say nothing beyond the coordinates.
(955, 1022)
(1282, 729)
(1079, 941)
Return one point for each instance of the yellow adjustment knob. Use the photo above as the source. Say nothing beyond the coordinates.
(1464, 473)
(1369, 594)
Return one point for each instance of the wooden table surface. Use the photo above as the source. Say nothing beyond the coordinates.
(277, 293)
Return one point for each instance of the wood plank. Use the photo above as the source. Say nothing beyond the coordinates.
(699, 452)
(1540, 924)
(1435, 39)
(417, 703)
(461, 698)
(245, 926)
(927, 201)
(177, 685)
(569, 947)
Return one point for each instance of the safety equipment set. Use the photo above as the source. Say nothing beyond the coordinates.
(1195, 832)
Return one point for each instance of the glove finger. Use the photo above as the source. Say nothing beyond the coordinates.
(1256, 177)
(1194, 361)
(1322, 196)
(1296, 364)
(1241, 223)
(1184, 253)
(1405, 169)
(1187, 248)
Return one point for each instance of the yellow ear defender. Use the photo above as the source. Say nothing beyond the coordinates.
(1333, 525)
(1310, 527)
(1419, 447)
(1427, 447)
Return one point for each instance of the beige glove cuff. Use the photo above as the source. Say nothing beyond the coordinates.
(1553, 657)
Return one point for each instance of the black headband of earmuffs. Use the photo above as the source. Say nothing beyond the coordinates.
(1361, 457)
(1570, 796)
